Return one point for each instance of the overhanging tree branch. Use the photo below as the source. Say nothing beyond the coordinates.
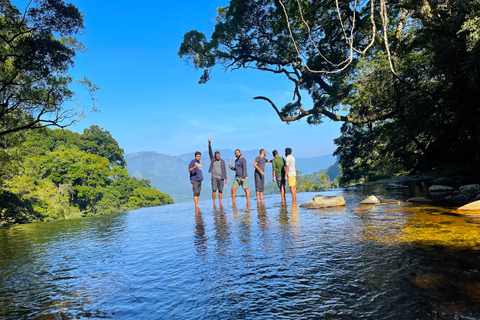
(335, 117)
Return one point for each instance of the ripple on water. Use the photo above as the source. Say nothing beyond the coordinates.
(396, 261)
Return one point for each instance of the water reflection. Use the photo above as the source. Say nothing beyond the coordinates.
(222, 230)
(200, 238)
(396, 261)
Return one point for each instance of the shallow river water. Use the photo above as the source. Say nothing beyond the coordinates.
(395, 261)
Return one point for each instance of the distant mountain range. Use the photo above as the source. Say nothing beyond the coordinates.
(169, 174)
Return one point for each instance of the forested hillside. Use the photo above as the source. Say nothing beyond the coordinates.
(59, 174)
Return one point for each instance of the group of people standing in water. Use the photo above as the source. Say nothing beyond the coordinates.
(283, 170)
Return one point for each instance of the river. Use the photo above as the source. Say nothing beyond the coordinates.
(395, 261)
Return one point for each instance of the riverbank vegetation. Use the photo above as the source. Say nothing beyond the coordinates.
(403, 76)
(59, 174)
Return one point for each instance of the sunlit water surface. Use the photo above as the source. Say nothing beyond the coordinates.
(395, 261)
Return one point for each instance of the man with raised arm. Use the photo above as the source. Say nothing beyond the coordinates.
(241, 176)
(196, 176)
(278, 173)
(259, 165)
(291, 174)
(219, 173)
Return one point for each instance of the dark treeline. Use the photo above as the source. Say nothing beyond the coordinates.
(403, 76)
(59, 174)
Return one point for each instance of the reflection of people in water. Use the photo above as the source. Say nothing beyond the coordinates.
(221, 225)
(200, 239)
(262, 218)
(294, 220)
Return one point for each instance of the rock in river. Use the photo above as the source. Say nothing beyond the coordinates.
(472, 206)
(440, 189)
(420, 200)
(371, 200)
(395, 186)
(324, 202)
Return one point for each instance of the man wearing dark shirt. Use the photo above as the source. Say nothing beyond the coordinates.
(259, 165)
(196, 176)
(241, 176)
(219, 173)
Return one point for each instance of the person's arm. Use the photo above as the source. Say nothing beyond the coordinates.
(255, 164)
(243, 171)
(286, 168)
(210, 152)
(191, 168)
(273, 175)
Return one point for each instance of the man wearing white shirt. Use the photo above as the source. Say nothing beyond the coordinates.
(291, 174)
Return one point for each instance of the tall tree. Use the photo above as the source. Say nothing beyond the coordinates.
(405, 72)
(37, 49)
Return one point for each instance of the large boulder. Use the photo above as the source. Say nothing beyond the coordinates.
(371, 200)
(324, 202)
(471, 190)
(466, 194)
(472, 206)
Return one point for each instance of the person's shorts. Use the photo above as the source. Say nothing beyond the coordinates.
(292, 181)
(197, 187)
(217, 184)
(259, 182)
(280, 182)
(237, 183)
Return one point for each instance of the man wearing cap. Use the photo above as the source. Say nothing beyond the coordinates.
(219, 173)
(196, 176)
(241, 176)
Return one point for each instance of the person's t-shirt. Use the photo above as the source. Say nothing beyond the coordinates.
(278, 165)
(197, 173)
(217, 169)
(290, 162)
(240, 168)
(260, 163)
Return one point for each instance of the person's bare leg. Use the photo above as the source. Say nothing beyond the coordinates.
(247, 193)
(294, 193)
(261, 196)
(234, 190)
(195, 199)
(282, 192)
(258, 196)
(220, 194)
(214, 193)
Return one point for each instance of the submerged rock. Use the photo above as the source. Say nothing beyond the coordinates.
(440, 188)
(396, 186)
(324, 202)
(472, 206)
(420, 200)
(371, 200)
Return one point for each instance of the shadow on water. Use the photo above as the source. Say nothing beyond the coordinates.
(258, 261)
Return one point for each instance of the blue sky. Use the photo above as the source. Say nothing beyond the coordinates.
(150, 100)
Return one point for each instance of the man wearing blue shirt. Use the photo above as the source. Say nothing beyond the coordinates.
(196, 176)
(241, 176)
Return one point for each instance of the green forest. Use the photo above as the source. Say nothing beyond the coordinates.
(403, 76)
(60, 174)
(50, 174)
